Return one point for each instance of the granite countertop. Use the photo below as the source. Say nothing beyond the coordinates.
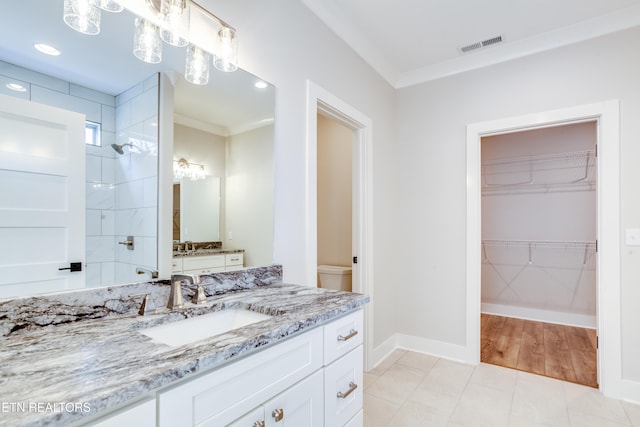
(204, 252)
(103, 362)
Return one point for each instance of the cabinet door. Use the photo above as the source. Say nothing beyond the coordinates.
(299, 406)
(255, 418)
(139, 415)
(343, 388)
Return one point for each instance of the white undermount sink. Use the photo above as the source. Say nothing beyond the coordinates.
(204, 326)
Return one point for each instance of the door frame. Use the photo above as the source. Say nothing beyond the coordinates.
(321, 101)
(608, 280)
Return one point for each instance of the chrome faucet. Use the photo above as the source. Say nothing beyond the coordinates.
(175, 297)
(152, 273)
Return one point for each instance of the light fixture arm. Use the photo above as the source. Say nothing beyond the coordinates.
(210, 15)
(155, 5)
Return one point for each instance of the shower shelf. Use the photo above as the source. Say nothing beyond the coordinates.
(570, 171)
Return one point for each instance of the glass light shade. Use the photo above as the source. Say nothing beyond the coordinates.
(82, 15)
(176, 17)
(197, 67)
(226, 58)
(147, 45)
(110, 5)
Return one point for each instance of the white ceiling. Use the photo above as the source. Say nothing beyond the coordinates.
(412, 41)
(105, 62)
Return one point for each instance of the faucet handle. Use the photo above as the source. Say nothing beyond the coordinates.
(199, 297)
(147, 306)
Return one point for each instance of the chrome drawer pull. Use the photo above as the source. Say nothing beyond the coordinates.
(352, 333)
(352, 388)
(278, 414)
(258, 424)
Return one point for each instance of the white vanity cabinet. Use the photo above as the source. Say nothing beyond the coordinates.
(141, 414)
(207, 264)
(233, 262)
(298, 406)
(311, 380)
(204, 264)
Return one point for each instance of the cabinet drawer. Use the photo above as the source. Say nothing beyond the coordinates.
(223, 395)
(176, 264)
(233, 259)
(139, 414)
(205, 270)
(202, 262)
(357, 421)
(342, 336)
(343, 388)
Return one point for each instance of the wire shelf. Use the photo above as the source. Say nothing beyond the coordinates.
(571, 171)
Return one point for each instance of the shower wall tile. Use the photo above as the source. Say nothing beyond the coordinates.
(99, 248)
(93, 274)
(33, 77)
(92, 110)
(91, 95)
(100, 196)
(150, 186)
(108, 169)
(93, 169)
(108, 118)
(94, 222)
(108, 222)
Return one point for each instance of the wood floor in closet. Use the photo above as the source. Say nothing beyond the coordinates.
(558, 351)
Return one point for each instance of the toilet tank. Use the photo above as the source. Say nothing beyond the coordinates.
(334, 277)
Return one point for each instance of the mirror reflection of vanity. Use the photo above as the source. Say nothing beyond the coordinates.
(98, 76)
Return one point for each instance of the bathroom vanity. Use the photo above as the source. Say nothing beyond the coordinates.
(300, 366)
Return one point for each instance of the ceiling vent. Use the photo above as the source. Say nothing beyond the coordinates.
(481, 44)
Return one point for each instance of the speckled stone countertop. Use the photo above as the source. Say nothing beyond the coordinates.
(84, 347)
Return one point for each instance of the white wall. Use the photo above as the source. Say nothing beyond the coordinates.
(430, 142)
(285, 44)
(334, 192)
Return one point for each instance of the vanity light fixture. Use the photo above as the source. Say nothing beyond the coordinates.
(197, 67)
(147, 45)
(82, 15)
(226, 59)
(176, 16)
(184, 169)
(46, 49)
(114, 6)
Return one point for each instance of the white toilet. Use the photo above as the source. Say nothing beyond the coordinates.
(334, 277)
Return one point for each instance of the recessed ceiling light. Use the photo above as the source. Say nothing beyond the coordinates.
(260, 84)
(16, 87)
(46, 49)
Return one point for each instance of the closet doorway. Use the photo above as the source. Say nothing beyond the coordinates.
(538, 270)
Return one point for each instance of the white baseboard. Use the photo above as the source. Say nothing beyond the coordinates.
(383, 351)
(420, 345)
(441, 349)
(631, 391)
(549, 316)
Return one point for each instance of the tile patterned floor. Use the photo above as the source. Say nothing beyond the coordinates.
(414, 389)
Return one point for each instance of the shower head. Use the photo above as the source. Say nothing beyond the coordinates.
(120, 148)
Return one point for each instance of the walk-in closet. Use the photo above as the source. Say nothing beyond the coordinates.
(539, 251)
